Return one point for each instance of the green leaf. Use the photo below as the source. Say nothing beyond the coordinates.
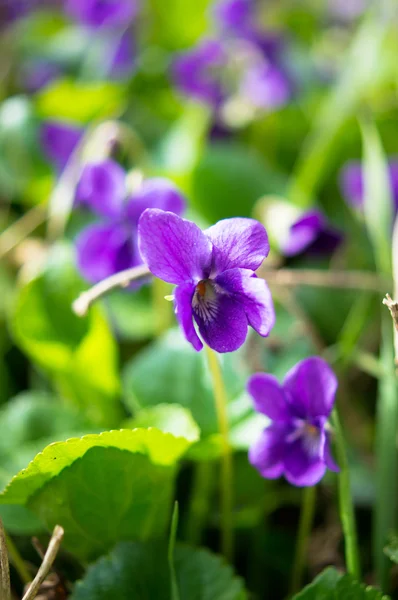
(181, 378)
(332, 585)
(391, 550)
(135, 571)
(33, 416)
(170, 418)
(228, 181)
(202, 575)
(95, 100)
(79, 353)
(117, 485)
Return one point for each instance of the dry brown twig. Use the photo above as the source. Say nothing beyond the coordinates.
(46, 565)
(5, 591)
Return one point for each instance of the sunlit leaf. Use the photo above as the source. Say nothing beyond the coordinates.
(80, 353)
(102, 488)
(95, 100)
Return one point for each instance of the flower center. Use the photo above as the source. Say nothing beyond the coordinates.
(204, 301)
(310, 436)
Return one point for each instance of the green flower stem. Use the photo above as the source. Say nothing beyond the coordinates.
(346, 506)
(161, 308)
(304, 530)
(384, 521)
(199, 503)
(220, 398)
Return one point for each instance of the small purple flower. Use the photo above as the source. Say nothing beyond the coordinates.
(197, 72)
(103, 13)
(59, 139)
(110, 244)
(297, 442)
(214, 273)
(352, 184)
(311, 233)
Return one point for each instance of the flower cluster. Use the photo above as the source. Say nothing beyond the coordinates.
(297, 442)
(109, 245)
(238, 73)
(352, 183)
(214, 273)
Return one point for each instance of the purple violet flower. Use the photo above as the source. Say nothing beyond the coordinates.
(266, 86)
(234, 16)
(197, 72)
(311, 233)
(297, 442)
(110, 244)
(214, 273)
(58, 140)
(352, 184)
(103, 13)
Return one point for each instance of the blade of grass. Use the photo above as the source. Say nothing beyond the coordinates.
(361, 74)
(378, 216)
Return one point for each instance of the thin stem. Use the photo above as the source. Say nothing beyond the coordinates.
(220, 398)
(346, 506)
(386, 455)
(47, 563)
(162, 308)
(304, 530)
(175, 594)
(119, 280)
(199, 504)
(18, 562)
(21, 229)
(5, 590)
(354, 280)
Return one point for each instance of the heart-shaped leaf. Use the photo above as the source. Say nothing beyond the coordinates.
(117, 485)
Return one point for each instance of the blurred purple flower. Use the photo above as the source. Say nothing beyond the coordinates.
(214, 274)
(37, 74)
(123, 61)
(311, 233)
(103, 13)
(297, 442)
(59, 139)
(110, 244)
(235, 16)
(197, 72)
(352, 184)
(266, 86)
